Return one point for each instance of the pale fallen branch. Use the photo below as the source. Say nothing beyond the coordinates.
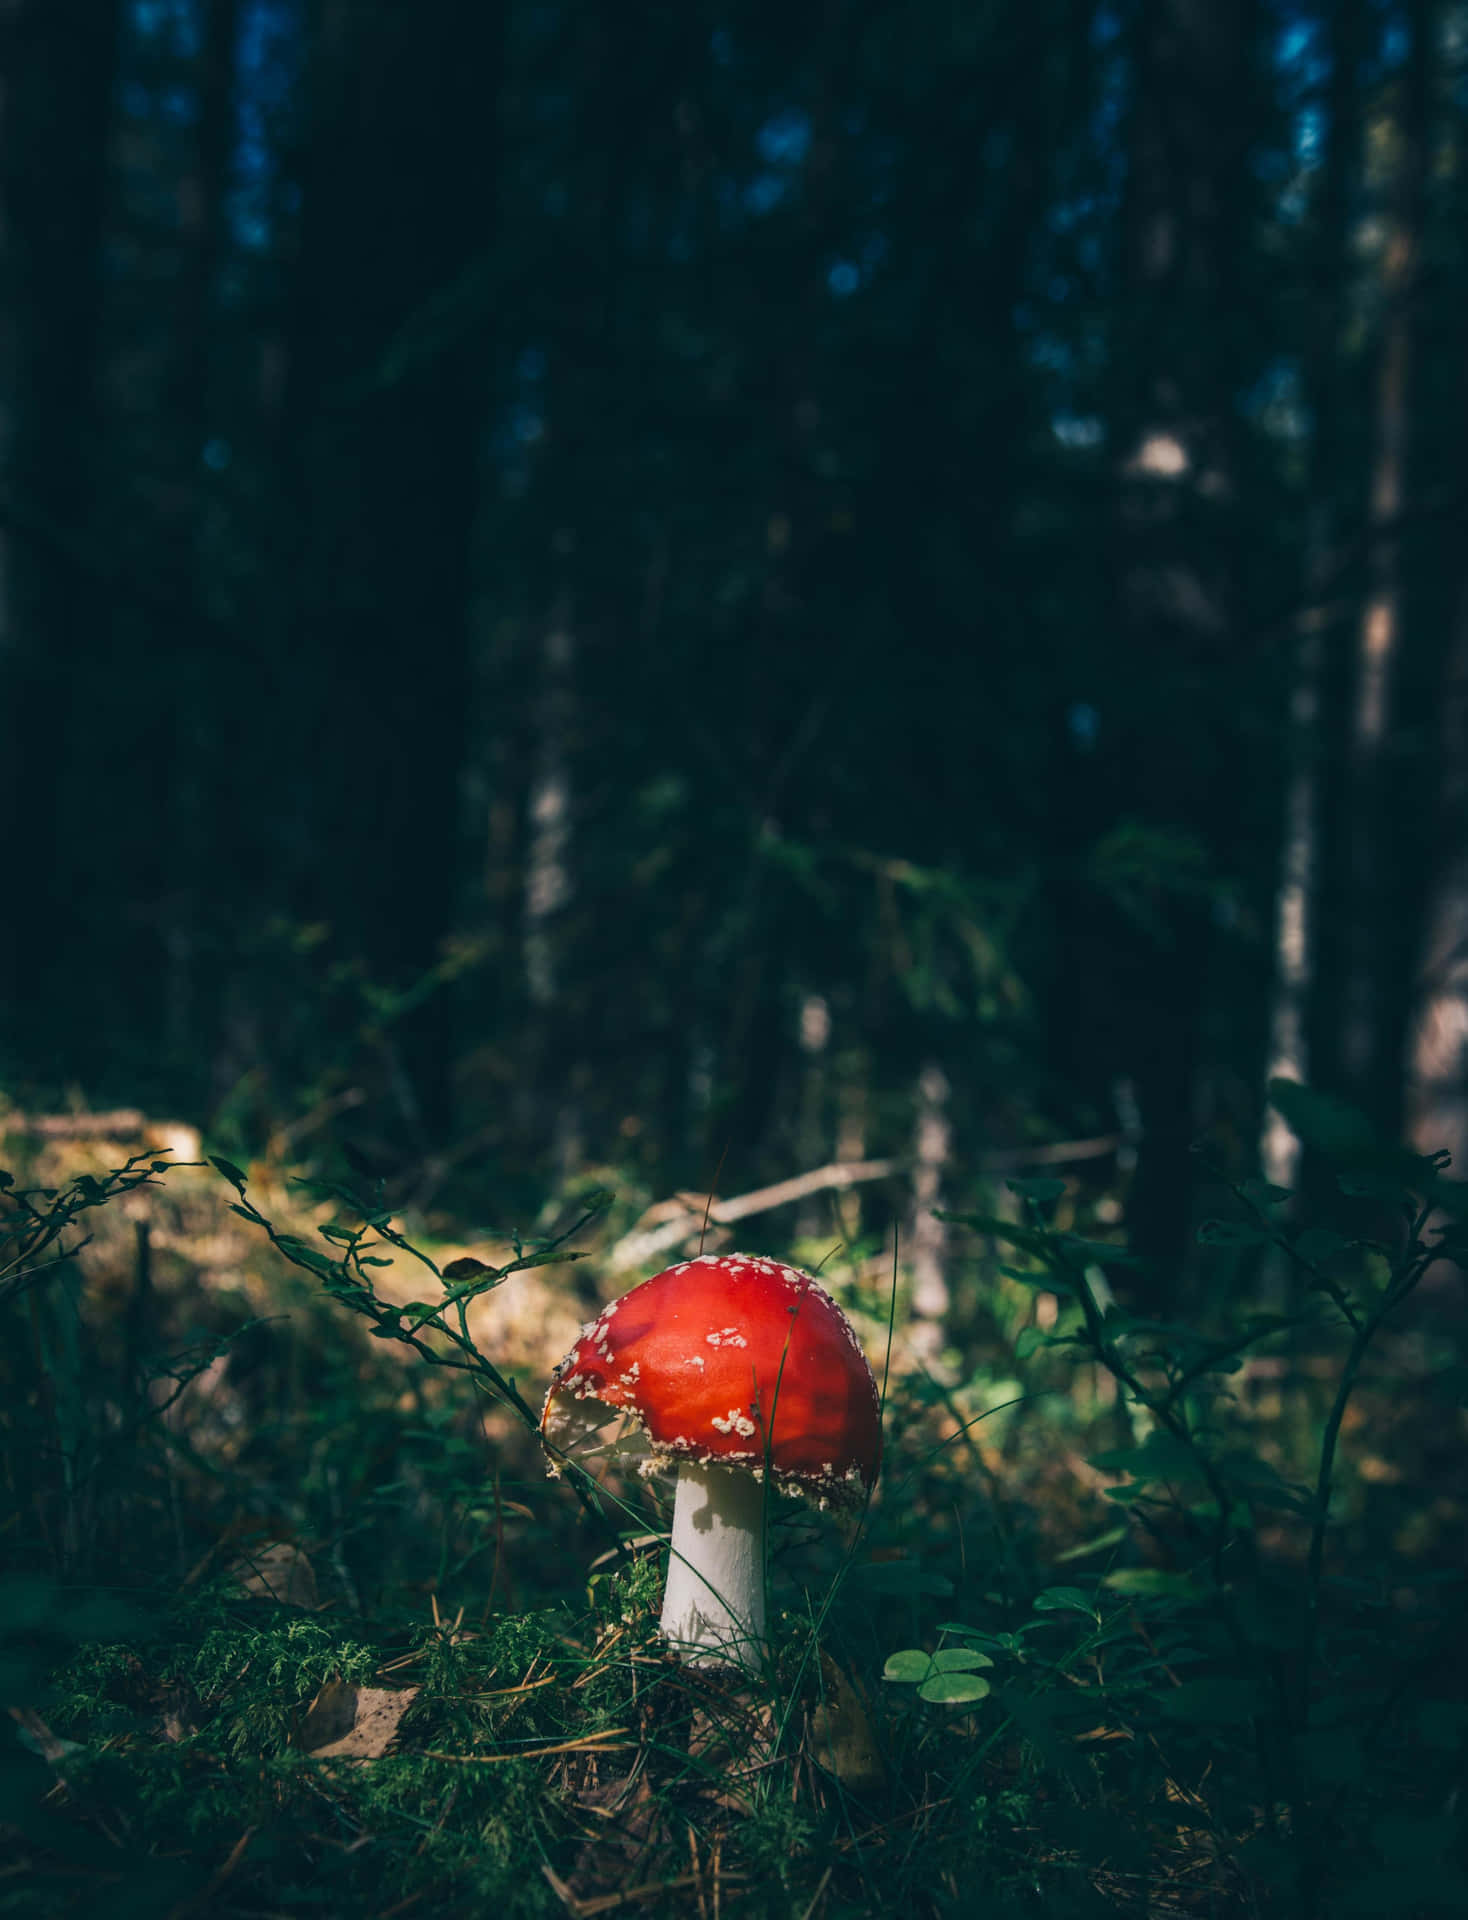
(126, 1123)
(285, 1137)
(123, 1126)
(648, 1241)
(1057, 1153)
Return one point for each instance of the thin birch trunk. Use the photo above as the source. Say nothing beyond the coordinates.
(554, 1108)
(1295, 933)
(927, 1236)
(548, 886)
(1437, 1062)
(811, 1139)
(1368, 1068)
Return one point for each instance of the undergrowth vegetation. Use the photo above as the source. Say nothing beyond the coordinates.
(1144, 1617)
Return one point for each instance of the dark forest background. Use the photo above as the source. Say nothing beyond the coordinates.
(627, 586)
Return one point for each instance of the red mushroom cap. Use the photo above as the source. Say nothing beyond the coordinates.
(732, 1360)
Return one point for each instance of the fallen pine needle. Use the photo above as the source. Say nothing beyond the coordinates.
(815, 1898)
(525, 1686)
(594, 1743)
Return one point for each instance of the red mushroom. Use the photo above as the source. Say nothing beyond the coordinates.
(734, 1369)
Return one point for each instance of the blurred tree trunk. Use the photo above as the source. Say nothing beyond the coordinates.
(548, 881)
(1437, 1062)
(757, 1054)
(1295, 936)
(184, 756)
(575, 335)
(852, 1070)
(549, 1080)
(201, 199)
(1376, 959)
(383, 411)
(1177, 374)
(927, 1241)
(1437, 1058)
(812, 1142)
(57, 69)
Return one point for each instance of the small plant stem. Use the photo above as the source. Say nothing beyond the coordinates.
(1414, 1261)
(1165, 1412)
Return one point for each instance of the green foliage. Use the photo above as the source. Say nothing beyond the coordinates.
(1250, 1655)
(1215, 1681)
(34, 1220)
(945, 1678)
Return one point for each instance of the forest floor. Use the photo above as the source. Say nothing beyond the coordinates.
(295, 1623)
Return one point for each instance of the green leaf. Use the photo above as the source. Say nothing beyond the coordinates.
(467, 1289)
(1031, 1338)
(1112, 1537)
(1098, 1253)
(1264, 1193)
(959, 1659)
(953, 1689)
(305, 1256)
(1257, 1481)
(972, 1633)
(1161, 1456)
(1332, 1126)
(1039, 1190)
(907, 1667)
(913, 1667)
(1030, 1238)
(1034, 1277)
(230, 1171)
(1063, 1599)
(1154, 1582)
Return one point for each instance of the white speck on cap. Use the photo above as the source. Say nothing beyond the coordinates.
(735, 1422)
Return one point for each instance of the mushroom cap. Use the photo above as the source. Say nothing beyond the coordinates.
(733, 1360)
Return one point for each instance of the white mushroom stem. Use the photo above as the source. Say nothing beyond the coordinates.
(714, 1602)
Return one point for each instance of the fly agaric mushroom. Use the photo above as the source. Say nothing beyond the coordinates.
(736, 1370)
